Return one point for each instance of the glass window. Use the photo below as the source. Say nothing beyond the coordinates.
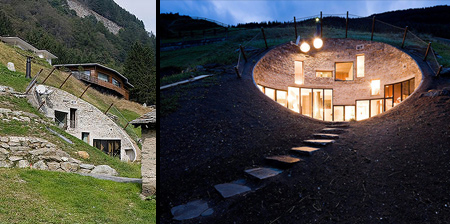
(306, 101)
(362, 109)
(338, 113)
(389, 103)
(405, 89)
(344, 71)
(324, 74)
(349, 113)
(282, 97)
(412, 86)
(115, 82)
(397, 94)
(87, 72)
(388, 91)
(261, 88)
(360, 66)
(375, 87)
(294, 99)
(376, 107)
(299, 79)
(318, 104)
(103, 77)
(328, 104)
(270, 93)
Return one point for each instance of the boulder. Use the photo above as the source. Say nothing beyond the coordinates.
(4, 145)
(104, 169)
(11, 67)
(5, 164)
(15, 158)
(4, 139)
(72, 160)
(83, 154)
(84, 171)
(3, 151)
(23, 164)
(87, 166)
(53, 166)
(40, 165)
(69, 167)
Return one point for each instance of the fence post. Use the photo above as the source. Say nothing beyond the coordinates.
(295, 26)
(439, 71)
(237, 71)
(70, 74)
(320, 24)
(242, 51)
(264, 35)
(404, 36)
(346, 26)
(85, 90)
(373, 27)
(42, 104)
(48, 75)
(428, 50)
(109, 108)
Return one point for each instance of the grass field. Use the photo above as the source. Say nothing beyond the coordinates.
(33, 196)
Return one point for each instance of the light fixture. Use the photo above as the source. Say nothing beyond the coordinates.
(318, 43)
(304, 47)
(317, 19)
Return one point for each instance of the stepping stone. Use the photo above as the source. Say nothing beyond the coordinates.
(283, 161)
(338, 126)
(263, 173)
(229, 189)
(319, 142)
(305, 150)
(326, 136)
(190, 210)
(333, 130)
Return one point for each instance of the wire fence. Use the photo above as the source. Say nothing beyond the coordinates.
(340, 26)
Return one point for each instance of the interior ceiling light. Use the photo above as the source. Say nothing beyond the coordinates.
(318, 43)
(304, 47)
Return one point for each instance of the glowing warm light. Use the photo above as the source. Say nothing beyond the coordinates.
(294, 99)
(375, 85)
(305, 47)
(317, 19)
(298, 72)
(318, 43)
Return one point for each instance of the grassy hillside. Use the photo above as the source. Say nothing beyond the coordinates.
(32, 196)
(125, 110)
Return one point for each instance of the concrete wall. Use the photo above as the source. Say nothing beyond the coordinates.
(88, 119)
(148, 161)
(382, 61)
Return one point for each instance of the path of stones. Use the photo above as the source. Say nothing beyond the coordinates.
(275, 165)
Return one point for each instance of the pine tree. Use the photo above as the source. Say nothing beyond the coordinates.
(5, 25)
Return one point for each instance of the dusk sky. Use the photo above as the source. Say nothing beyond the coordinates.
(233, 11)
(144, 10)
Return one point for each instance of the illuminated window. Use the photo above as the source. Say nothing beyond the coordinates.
(324, 74)
(349, 113)
(362, 109)
(318, 104)
(338, 113)
(282, 97)
(344, 71)
(261, 88)
(328, 104)
(359, 65)
(376, 107)
(375, 87)
(299, 79)
(306, 101)
(270, 93)
(294, 99)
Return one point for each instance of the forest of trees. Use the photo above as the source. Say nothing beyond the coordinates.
(51, 25)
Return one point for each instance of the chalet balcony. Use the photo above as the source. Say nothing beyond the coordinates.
(95, 80)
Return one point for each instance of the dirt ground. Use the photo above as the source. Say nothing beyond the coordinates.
(392, 168)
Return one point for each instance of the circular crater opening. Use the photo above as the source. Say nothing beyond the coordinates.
(344, 80)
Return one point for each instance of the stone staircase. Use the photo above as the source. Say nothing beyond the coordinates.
(273, 167)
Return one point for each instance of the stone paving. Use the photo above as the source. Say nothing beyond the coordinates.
(327, 136)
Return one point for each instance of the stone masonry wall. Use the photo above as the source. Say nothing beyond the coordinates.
(88, 119)
(148, 162)
(382, 61)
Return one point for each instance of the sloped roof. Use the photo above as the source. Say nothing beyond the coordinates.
(16, 41)
(146, 119)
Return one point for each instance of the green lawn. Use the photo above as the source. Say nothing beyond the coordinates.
(33, 196)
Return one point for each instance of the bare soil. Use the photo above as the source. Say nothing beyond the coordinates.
(392, 168)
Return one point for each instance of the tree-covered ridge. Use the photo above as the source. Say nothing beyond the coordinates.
(51, 25)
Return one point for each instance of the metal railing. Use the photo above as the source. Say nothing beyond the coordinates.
(100, 82)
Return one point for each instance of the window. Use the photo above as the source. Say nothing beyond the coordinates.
(110, 147)
(72, 117)
(362, 109)
(349, 113)
(115, 82)
(85, 137)
(103, 77)
(338, 113)
(359, 65)
(87, 72)
(344, 71)
(328, 104)
(375, 87)
(261, 88)
(376, 107)
(318, 104)
(282, 97)
(270, 93)
(344, 113)
(294, 99)
(299, 79)
(324, 74)
(61, 119)
(397, 94)
(306, 101)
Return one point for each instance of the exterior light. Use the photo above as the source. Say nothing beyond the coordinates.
(304, 47)
(318, 43)
(317, 19)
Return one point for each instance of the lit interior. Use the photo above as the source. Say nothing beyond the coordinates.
(324, 74)
(375, 87)
(282, 98)
(294, 99)
(298, 72)
(359, 65)
(344, 71)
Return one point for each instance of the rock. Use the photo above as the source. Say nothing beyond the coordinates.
(72, 160)
(26, 119)
(84, 171)
(4, 145)
(190, 210)
(5, 164)
(11, 67)
(3, 151)
(53, 166)
(30, 115)
(64, 159)
(40, 165)
(208, 212)
(4, 111)
(104, 169)
(39, 152)
(23, 164)
(19, 148)
(15, 158)
(87, 166)
(230, 189)
(69, 167)
(83, 154)
(263, 173)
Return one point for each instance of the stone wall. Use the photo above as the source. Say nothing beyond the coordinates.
(88, 119)
(148, 161)
(382, 61)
